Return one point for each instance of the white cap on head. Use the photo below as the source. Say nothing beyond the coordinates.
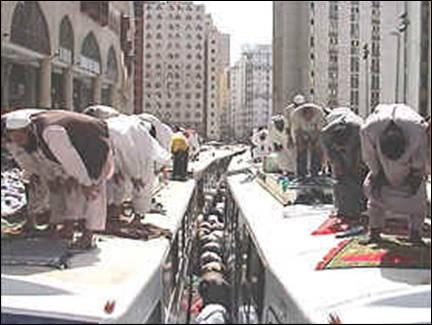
(17, 121)
(299, 99)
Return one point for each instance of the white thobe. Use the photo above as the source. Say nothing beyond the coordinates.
(38, 195)
(73, 204)
(396, 196)
(163, 131)
(286, 156)
(262, 142)
(212, 314)
(311, 127)
(135, 153)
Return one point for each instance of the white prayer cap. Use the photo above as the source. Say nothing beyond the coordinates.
(18, 121)
(299, 99)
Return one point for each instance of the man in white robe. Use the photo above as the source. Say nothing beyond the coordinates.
(394, 147)
(261, 141)
(38, 208)
(163, 131)
(135, 152)
(307, 122)
(278, 131)
(75, 159)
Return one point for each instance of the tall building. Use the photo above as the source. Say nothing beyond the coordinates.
(224, 100)
(416, 48)
(237, 100)
(291, 60)
(138, 101)
(183, 53)
(217, 61)
(66, 54)
(339, 53)
(251, 90)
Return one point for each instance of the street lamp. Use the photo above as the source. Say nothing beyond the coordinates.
(401, 28)
(398, 36)
(366, 59)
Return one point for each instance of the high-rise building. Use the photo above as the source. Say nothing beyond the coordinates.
(237, 100)
(416, 49)
(217, 61)
(138, 101)
(251, 90)
(183, 56)
(224, 100)
(341, 53)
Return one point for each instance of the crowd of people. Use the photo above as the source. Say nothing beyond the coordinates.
(80, 168)
(210, 266)
(379, 164)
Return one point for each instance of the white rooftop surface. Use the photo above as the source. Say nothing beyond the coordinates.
(118, 270)
(210, 155)
(292, 253)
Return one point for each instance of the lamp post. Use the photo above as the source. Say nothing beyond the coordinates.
(400, 29)
(398, 37)
(366, 59)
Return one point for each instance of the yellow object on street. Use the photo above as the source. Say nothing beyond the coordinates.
(179, 143)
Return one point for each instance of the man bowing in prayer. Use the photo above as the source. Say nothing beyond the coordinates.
(74, 155)
(395, 149)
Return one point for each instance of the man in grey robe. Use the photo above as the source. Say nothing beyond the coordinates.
(394, 147)
(340, 140)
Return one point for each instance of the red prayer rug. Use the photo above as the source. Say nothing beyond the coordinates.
(391, 252)
(332, 226)
(393, 226)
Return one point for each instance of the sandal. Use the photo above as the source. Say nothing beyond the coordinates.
(82, 245)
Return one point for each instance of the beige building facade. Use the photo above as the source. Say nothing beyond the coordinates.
(66, 54)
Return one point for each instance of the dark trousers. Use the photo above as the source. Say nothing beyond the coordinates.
(348, 195)
(302, 161)
(180, 164)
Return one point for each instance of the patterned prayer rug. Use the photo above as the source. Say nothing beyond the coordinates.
(391, 252)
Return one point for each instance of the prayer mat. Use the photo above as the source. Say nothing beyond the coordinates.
(332, 226)
(9, 229)
(136, 230)
(35, 252)
(393, 226)
(391, 252)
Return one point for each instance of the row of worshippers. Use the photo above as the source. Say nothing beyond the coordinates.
(215, 278)
(213, 286)
(78, 164)
(382, 162)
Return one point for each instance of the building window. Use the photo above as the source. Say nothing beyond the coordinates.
(90, 55)
(111, 72)
(29, 28)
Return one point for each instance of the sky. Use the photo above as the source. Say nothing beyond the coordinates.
(246, 22)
